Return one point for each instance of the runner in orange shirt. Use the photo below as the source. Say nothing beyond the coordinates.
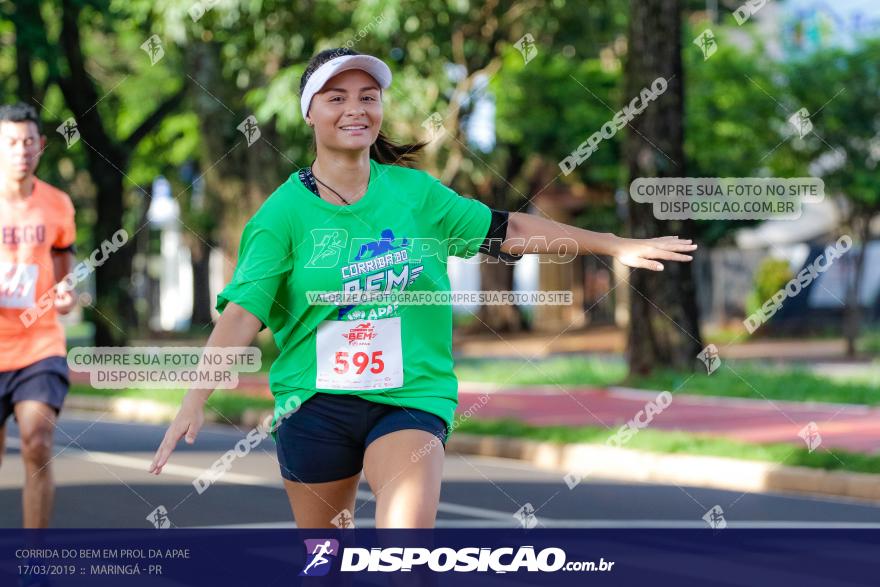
(37, 232)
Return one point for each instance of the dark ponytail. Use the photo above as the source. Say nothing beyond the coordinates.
(387, 152)
(384, 150)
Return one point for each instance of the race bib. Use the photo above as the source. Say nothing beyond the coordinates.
(359, 354)
(18, 285)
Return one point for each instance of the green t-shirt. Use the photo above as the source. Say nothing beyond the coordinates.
(397, 236)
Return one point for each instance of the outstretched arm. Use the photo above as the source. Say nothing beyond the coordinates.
(528, 233)
(235, 327)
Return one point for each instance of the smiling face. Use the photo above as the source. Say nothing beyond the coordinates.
(20, 148)
(347, 112)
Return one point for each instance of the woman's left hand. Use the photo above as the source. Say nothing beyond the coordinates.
(639, 253)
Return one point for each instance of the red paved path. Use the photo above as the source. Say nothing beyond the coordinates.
(849, 427)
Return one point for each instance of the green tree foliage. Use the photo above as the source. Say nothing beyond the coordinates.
(839, 89)
(771, 276)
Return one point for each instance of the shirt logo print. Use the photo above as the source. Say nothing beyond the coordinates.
(360, 335)
(327, 245)
(383, 245)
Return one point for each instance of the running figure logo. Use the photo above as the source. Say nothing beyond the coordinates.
(360, 333)
(69, 131)
(527, 48)
(709, 356)
(318, 552)
(328, 244)
(707, 44)
(153, 48)
(250, 130)
(715, 518)
(159, 518)
(383, 245)
(801, 121)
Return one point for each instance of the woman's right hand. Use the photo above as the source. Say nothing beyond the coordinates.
(236, 327)
(187, 423)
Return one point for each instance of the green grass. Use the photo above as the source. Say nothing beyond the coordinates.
(227, 403)
(732, 379)
(751, 381)
(671, 442)
(80, 334)
(558, 370)
(869, 342)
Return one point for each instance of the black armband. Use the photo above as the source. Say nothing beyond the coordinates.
(71, 248)
(497, 233)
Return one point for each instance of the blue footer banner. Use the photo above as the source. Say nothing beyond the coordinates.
(454, 557)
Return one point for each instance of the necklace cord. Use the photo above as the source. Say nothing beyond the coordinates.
(347, 203)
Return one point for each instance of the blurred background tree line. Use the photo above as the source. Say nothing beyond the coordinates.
(221, 61)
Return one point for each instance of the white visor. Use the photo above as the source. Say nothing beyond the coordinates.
(375, 67)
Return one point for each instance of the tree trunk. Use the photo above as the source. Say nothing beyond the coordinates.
(853, 308)
(237, 178)
(663, 326)
(23, 19)
(201, 267)
(107, 159)
(113, 310)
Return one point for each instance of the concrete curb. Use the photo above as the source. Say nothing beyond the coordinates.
(577, 461)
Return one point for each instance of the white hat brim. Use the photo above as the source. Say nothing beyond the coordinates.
(371, 65)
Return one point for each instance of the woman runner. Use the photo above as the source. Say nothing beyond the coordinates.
(366, 387)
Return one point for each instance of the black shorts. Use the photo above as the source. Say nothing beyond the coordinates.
(326, 438)
(44, 381)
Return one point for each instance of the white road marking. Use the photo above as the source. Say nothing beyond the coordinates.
(191, 473)
(485, 516)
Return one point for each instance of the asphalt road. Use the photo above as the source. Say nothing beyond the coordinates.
(100, 470)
